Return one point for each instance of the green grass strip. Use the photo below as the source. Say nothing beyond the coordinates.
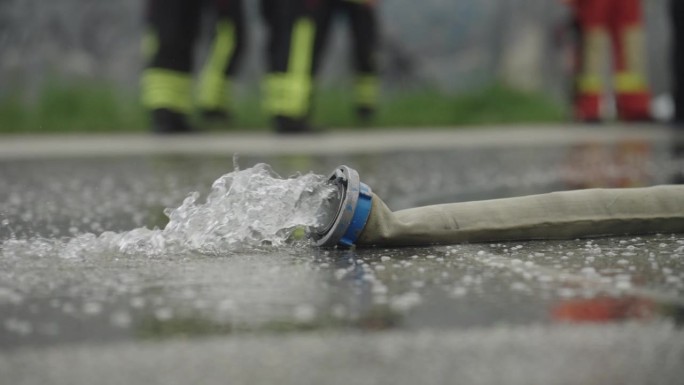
(98, 108)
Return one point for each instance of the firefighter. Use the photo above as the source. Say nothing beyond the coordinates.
(173, 27)
(361, 15)
(618, 24)
(288, 84)
(677, 13)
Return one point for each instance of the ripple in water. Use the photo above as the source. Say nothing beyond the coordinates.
(246, 210)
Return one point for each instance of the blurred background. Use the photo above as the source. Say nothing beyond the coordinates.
(74, 65)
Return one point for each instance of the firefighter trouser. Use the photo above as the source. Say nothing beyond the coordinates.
(173, 28)
(618, 23)
(289, 50)
(677, 12)
(362, 20)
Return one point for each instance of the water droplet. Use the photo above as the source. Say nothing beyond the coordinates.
(92, 308)
(120, 319)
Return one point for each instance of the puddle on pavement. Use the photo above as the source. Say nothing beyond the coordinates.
(73, 270)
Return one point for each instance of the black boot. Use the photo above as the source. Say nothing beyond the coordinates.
(288, 125)
(216, 116)
(365, 114)
(165, 121)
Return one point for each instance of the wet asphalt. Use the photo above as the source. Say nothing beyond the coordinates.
(609, 309)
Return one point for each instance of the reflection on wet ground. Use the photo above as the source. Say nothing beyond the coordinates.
(110, 297)
(100, 298)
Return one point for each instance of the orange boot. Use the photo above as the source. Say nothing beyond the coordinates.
(632, 93)
(618, 24)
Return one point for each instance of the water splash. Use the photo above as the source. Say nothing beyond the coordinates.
(246, 210)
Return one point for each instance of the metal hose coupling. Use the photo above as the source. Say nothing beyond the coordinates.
(346, 212)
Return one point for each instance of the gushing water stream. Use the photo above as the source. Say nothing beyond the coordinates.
(245, 210)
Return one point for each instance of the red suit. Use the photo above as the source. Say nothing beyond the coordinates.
(616, 24)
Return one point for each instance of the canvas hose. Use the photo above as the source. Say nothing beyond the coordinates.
(573, 214)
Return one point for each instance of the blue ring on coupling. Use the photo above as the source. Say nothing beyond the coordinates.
(350, 211)
(361, 214)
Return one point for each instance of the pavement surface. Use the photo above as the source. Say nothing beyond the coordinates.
(333, 143)
(83, 300)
